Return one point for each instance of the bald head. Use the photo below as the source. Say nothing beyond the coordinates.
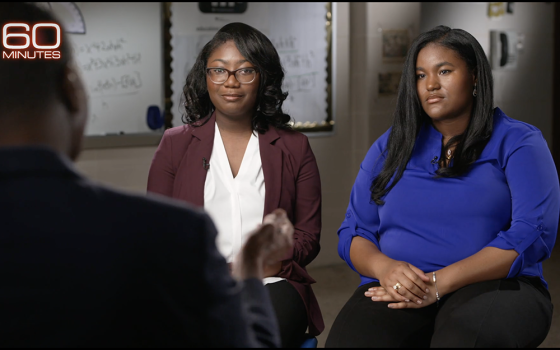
(28, 83)
(42, 101)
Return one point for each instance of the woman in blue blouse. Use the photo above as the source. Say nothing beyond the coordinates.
(452, 213)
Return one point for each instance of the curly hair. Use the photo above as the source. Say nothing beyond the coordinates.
(258, 50)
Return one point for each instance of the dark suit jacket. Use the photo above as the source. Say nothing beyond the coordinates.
(82, 265)
(291, 181)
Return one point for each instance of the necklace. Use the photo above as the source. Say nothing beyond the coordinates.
(449, 154)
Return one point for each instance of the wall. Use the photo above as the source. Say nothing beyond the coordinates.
(525, 93)
(371, 112)
(122, 168)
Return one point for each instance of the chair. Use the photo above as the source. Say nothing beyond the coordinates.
(309, 342)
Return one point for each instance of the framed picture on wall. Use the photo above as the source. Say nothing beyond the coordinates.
(497, 10)
(389, 83)
(395, 45)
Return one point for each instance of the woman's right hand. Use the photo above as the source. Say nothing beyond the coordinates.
(403, 281)
(369, 261)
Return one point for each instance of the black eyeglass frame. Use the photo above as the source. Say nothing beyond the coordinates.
(232, 72)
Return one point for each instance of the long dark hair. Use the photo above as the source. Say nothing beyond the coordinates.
(409, 115)
(258, 50)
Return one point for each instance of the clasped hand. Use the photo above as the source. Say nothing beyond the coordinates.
(265, 246)
(404, 286)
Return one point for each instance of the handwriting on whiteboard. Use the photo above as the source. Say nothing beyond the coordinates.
(297, 60)
(125, 83)
(101, 46)
(284, 43)
(110, 67)
(303, 82)
(114, 61)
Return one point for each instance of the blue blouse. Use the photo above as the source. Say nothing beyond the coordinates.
(509, 199)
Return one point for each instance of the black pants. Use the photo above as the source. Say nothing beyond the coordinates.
(290, 313)
(515, 312)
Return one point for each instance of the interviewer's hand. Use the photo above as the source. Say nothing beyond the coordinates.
(410, 280)
(265, 246)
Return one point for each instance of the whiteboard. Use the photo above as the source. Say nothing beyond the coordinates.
(120, 58)
(297, 30)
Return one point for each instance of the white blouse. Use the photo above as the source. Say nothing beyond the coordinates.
(236, 205)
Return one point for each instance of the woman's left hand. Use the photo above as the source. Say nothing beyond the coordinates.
(380, 294)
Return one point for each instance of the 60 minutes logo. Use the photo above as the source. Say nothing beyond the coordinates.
(38, 51)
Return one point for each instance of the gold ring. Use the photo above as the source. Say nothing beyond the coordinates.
(397, 286)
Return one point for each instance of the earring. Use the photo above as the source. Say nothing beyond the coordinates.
(474, 91)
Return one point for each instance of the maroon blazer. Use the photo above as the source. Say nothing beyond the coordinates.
(292, 183)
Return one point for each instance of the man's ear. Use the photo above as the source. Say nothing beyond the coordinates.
(71, 89)
(75, 99)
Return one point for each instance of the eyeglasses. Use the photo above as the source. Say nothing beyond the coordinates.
(221, 75)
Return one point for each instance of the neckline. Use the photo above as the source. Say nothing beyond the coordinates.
(247, 155)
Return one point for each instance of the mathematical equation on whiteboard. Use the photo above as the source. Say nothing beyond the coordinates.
(110, 69)
(130, 83)
(299, 65)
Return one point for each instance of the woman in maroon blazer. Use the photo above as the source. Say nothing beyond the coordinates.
(238, 157)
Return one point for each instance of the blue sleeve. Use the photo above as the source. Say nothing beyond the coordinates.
(362, 218)
(535, 197)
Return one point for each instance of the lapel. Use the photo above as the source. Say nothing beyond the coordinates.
(271, 159)
(200, 147)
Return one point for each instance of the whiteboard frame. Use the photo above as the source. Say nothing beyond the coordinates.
(331, 67)
(326, 128)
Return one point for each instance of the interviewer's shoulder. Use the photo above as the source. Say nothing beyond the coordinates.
(145, 213)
